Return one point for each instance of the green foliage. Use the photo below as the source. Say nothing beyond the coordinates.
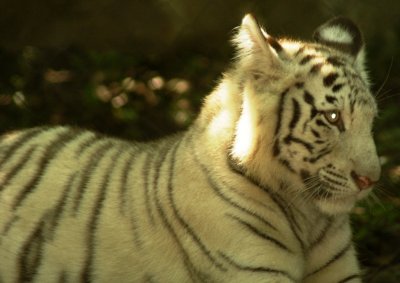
(111, 92)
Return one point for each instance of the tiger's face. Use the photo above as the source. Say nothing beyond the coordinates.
(324, 133)
(307, 115)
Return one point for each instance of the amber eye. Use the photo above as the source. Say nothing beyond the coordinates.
(332, 116)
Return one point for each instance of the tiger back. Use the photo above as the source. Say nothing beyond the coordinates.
(258, 189)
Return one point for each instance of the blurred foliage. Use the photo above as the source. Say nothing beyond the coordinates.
(111, 92)
(139, 70)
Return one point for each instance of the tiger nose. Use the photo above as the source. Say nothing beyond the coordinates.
(362, 182)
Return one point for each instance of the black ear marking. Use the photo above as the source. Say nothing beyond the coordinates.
(274, 44)
(269, 39)
(340, 33)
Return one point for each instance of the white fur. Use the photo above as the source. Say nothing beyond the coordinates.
(336, 34)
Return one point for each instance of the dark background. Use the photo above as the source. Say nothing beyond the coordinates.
(140, 69)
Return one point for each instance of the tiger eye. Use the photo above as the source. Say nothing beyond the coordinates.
(332, 116)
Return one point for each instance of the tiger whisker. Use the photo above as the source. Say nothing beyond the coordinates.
(378, 92)
(384, 98)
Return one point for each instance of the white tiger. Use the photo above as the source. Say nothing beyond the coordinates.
(258, 189)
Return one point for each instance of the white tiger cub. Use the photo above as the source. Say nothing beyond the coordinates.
(257, 190)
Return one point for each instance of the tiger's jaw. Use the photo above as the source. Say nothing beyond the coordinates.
(338, 204)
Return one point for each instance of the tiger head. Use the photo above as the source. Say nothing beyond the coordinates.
(307, 114)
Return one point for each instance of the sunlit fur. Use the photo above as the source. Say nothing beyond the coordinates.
(258, 189)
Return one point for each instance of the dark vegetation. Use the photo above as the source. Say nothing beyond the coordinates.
(139, 70)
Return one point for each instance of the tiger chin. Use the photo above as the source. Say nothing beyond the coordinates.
(258, 189)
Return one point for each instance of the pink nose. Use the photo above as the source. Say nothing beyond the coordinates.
(362, 182)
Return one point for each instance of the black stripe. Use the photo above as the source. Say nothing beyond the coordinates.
(93, 139)
(287, 164)
(291, 215)
(327, 228)
(218, 191)
(276, 148)
(289, 139)
(305, 174)
(274, 44)
(178, 216)
(124, 183)
(30, 254)
(322, 235)
(330, 79)
(48, 227)
(258, 269)
(239, 192)
(337, 87)
(313, 112)
(157, 165)
(340, 126)
(319, 156)
(352, 104)
(316, 68)
(59, 206)
(296, 114)
(16, 168)
(349, 278)
(333, 181)
(9, 224)
(321, 49)
(88, 268)
(291, 219)
(322, 192)
(193, 272)
(308, 98)
(315, 133)
(61, 203)
(162, 156)
(261, 234)
(32, 251)
(157, 168)
(24, 138)
(319, 122)
(330, 99)
(282, 205)
(49, 155)
(124, 199)
(335, 61)
(336, 175)
(334, 258)
(280, 111)
(307, 59)
(146, 188)
(299, 51)
(87, 171)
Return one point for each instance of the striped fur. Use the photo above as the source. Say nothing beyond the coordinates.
(257, 190)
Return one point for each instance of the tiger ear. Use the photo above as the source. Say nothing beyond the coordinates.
(343, 34)
(252, 40)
